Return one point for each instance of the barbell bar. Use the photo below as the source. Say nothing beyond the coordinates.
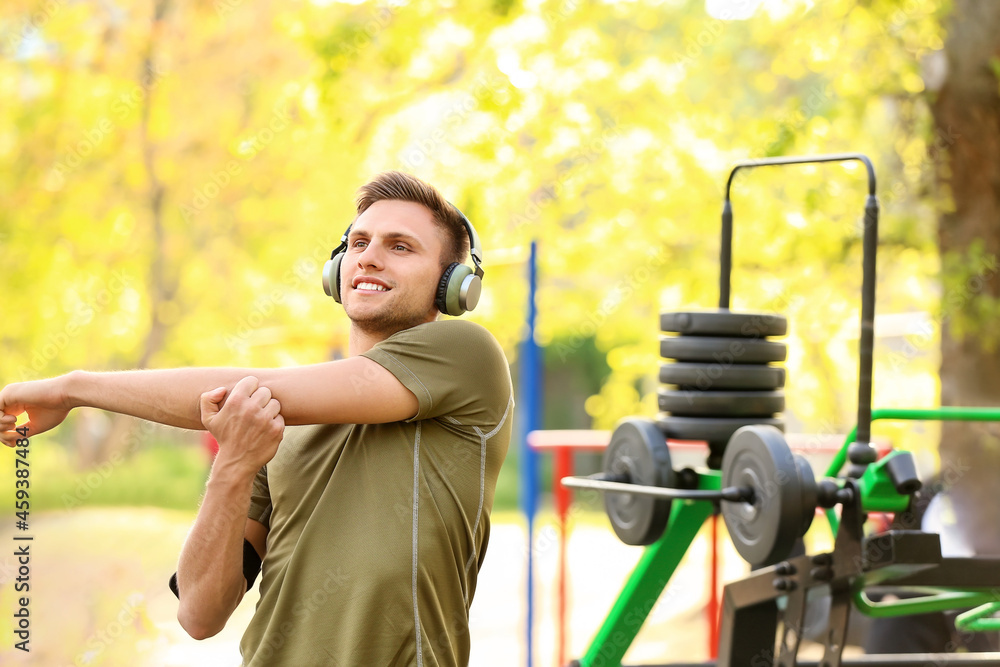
(601, 482)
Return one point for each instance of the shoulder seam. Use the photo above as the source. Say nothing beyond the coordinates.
(430, 399)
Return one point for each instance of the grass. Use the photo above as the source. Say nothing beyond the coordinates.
(162, 474)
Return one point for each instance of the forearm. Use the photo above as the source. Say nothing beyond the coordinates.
(210, 577)
(167, 396)
(333, 392)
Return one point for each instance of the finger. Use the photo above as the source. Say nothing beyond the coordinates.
(210, 402)
(8, 422)
(10, 438)
(272, 409)
(261, 396)
(247, 386)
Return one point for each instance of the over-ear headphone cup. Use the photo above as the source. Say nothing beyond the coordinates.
(469, 291)
(458, 291)
(441, 297)
(331, 276)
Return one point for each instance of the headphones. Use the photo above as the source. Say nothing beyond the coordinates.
(458, 290)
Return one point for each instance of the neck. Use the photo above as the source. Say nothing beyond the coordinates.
(362, 339)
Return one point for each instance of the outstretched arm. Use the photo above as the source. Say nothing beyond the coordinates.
(352, 391)
(210, 580)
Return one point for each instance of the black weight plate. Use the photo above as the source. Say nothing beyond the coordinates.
(724, 323)
(696, 403)
(715, 430)
(714, 376)
(638, 449)
(807, 480)
(725, 351)
(765, 529)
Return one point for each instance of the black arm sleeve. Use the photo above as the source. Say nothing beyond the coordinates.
(251, 568)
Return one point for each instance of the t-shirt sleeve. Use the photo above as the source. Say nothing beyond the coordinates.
(455, 368)
(260, 499)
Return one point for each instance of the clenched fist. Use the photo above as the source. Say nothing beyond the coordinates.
(248, 424)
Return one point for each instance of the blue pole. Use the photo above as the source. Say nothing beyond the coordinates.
(531, 408)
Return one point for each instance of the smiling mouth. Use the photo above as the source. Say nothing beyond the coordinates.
(371, 287)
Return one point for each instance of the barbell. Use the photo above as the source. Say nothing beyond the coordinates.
(768, 494)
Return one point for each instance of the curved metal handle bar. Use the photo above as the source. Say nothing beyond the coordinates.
(805, 159)
(600, 483)
(979, 619)
(935, 599)
(870, 244)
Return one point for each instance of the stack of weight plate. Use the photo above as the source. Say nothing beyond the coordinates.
(721, 377)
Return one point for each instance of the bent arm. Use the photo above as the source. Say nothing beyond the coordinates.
(352, 391)
(210, 579)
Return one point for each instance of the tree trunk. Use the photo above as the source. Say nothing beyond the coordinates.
(967, 161)
(162, 288)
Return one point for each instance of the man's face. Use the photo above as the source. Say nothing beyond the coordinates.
(391, 268)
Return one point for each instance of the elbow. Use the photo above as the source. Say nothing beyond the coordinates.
(198, 628)
(203, 614)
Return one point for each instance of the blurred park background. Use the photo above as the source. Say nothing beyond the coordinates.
(173, 174)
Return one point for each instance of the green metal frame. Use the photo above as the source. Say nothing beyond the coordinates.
(878, 494)
(883, 500)
(659, 560)
(649, 577)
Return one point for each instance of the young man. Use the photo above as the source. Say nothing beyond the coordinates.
(372, 525)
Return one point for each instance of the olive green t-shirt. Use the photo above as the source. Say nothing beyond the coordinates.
(377, 531)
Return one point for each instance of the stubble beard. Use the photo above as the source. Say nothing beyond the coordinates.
(390, 319)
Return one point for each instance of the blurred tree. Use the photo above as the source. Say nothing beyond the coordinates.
(967, 127)
(174, 175)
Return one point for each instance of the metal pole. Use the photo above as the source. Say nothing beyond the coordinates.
(531, 406)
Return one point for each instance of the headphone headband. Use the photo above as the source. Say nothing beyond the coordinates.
(475, 250)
